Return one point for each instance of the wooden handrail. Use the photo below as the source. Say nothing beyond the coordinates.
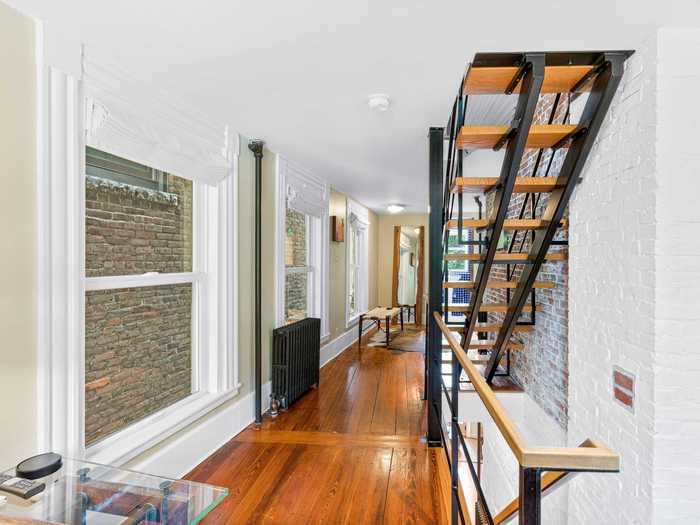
(594, 458)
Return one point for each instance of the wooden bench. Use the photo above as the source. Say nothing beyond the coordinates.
(378, 315)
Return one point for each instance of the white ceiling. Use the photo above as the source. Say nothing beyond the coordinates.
(296, 73)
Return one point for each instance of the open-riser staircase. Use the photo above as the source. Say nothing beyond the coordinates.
(545, 148)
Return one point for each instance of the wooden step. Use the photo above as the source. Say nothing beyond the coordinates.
(508, 224)
(495, 80)
(541, 135)
(522, 184)
(499, 284)
(491, 308)
(494, 327)
(488, 345)
(512, 258)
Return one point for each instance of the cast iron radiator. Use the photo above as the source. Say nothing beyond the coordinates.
(296, 354)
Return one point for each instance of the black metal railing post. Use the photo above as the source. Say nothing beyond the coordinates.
(435, 251)
(454, 438)
(530, 497)
(256, 146)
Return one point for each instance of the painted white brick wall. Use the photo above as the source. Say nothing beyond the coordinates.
(611, 298)
(677, 258)
(635, 292)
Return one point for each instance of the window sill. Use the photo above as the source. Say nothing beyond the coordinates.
(352, 321)
(119, 448)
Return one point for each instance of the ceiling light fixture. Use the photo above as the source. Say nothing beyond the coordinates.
(378, 102)
(395, 208)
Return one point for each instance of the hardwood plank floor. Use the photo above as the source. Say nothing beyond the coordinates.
(351, 451)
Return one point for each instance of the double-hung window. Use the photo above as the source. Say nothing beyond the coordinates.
(303, 246)
(141, 272)
(357, 256)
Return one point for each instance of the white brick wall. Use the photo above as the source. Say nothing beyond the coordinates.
(635, 292)
(611, 298)
(677, 255)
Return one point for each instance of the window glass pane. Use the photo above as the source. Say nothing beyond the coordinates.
(138, 220)
(296, 292)
(295, 242)
(352, 290)
(138, 354)
(352, 248)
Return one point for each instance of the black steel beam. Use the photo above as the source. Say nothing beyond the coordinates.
(435, 256)
(599, 99)
(524, 115)
(530, 497)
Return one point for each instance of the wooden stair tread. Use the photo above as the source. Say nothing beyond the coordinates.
(513, 345)
(522, 257)
(494, 327)
(491, 307)
(508, 224)
(540, 136)
(495, 80)
(522, 184)
(499, 284)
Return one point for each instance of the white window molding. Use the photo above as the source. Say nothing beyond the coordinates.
(357, 221)
(62, 286)
(305, 193)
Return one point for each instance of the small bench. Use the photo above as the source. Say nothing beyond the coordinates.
(378, 315)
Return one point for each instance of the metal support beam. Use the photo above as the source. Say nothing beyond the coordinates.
(524, 115)
(599, 99)
(530, 497)
(256, 146)
(435, 258)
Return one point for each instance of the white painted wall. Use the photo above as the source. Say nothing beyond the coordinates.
(500, 471)
(18, 221)
(677, 263)
(634, 288)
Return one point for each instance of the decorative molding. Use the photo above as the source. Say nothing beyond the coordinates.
(308, 194)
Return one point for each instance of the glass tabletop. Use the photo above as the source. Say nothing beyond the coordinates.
(84, 493)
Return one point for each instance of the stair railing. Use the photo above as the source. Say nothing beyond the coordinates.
(540, 468)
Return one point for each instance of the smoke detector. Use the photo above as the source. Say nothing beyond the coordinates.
(378, 102)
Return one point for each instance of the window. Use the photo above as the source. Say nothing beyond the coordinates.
(303, 246)
(137, 273)
(138, 332)
(357, 261)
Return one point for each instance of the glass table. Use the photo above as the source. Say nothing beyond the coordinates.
(84, 493)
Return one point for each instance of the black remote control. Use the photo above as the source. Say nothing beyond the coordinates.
(23, 488)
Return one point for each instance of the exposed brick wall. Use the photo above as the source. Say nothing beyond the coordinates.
(137, 340)
(541, 368)
(295, 255)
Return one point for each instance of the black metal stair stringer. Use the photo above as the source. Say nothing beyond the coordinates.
(524, 115)
(601, 95)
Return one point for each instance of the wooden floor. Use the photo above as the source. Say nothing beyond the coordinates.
(351, 451)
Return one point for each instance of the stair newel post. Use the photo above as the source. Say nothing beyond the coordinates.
(435, 256)
(256, 146)
(530, 497)
(454, 438)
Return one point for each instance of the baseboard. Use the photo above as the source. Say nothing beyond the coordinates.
(180, 454)
(334, 348)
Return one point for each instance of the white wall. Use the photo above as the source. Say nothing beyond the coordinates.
(677, 262)
(18, 266)
(634, 292)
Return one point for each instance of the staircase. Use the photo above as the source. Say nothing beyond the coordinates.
(523, 227)
(542, 195)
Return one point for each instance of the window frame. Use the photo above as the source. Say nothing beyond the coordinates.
(304, 193)
(358, 221)
(63, 286)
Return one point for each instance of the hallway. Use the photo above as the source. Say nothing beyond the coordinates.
(351, 451)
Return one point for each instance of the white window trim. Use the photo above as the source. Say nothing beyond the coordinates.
(63, 285)
(357, 217)
(310, 195)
